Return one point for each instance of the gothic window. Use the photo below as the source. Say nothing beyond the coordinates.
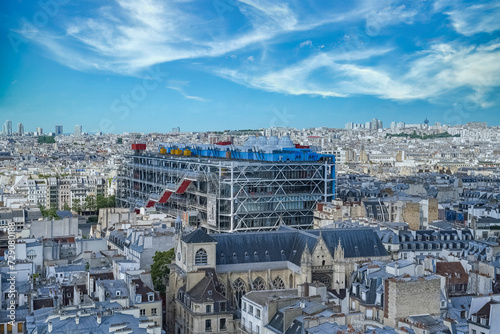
(291, 281)
(200, 257)
(239, 290)
(222, 288)
(278, 283)
(322, 278)
(259, 284)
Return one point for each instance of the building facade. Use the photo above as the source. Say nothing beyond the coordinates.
(230, 188)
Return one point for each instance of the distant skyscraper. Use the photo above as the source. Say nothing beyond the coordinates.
(78, 130)
(59, 130)
(380, 125)
(20, 129)
(39, 131)
(349, 126)
(176, 130)
(374, 124)
(7, 128)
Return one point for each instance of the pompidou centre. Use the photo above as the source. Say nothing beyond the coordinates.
(226, 188)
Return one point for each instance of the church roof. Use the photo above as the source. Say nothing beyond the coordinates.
(196, 237)
(287, 244)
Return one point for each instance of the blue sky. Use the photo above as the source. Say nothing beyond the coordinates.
(130, 65)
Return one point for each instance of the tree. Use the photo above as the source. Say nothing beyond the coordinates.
(101, 201)
(66, 207)
(111, 201)
(77, 206)
(90, 203)
(48, 213)
(160, 270)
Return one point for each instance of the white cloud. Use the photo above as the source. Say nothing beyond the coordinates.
(177, 86)
(306, 43)
(127, 36)
(250, 59)
(471, 19)
(428, 75)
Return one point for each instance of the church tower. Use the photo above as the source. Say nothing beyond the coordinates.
(339, 268)
(306, 266)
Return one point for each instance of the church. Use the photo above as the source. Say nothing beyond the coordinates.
(212, 272)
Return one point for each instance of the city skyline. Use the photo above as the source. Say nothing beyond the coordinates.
(117, 68)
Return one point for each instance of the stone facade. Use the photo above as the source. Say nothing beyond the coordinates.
(408, 296)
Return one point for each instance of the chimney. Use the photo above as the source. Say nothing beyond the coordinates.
(99, 319)
(77, 319)
(50, 327)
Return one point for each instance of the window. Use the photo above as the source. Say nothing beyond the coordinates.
(257, 329)
(200, 257)
(208, 325)
(250, 309)
(151, 297)
(208, 309)
(258, 284)
(222, 306)
(143, 312)
(278, 283)
(222, 324)
(257, 313)
(153, 311)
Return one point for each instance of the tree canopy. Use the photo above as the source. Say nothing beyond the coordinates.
(160, 270)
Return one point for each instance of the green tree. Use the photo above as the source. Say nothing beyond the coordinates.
(77, 206)
(101, 202)
(66, 207)
(90, 203)
(111, 201)
(52, 213)
(48, 213)
(160, 270)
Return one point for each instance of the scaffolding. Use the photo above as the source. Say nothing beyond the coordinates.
(227, 194)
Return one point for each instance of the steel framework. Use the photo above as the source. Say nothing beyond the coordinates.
(228, 195)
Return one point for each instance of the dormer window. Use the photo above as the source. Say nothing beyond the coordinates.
(151, 297)
(201, 257)
(138, 298)
(118, 293)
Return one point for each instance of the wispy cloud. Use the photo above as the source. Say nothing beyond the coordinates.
(127, 36)
(178, 87)
(470, 19)
(427, 75)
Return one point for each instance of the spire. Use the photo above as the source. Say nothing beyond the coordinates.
(178, 225)
(339, 252)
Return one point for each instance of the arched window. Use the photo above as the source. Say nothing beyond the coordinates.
(259, 284)
(239, 290)
(278, 283)
(31, 254)
(200, 257)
